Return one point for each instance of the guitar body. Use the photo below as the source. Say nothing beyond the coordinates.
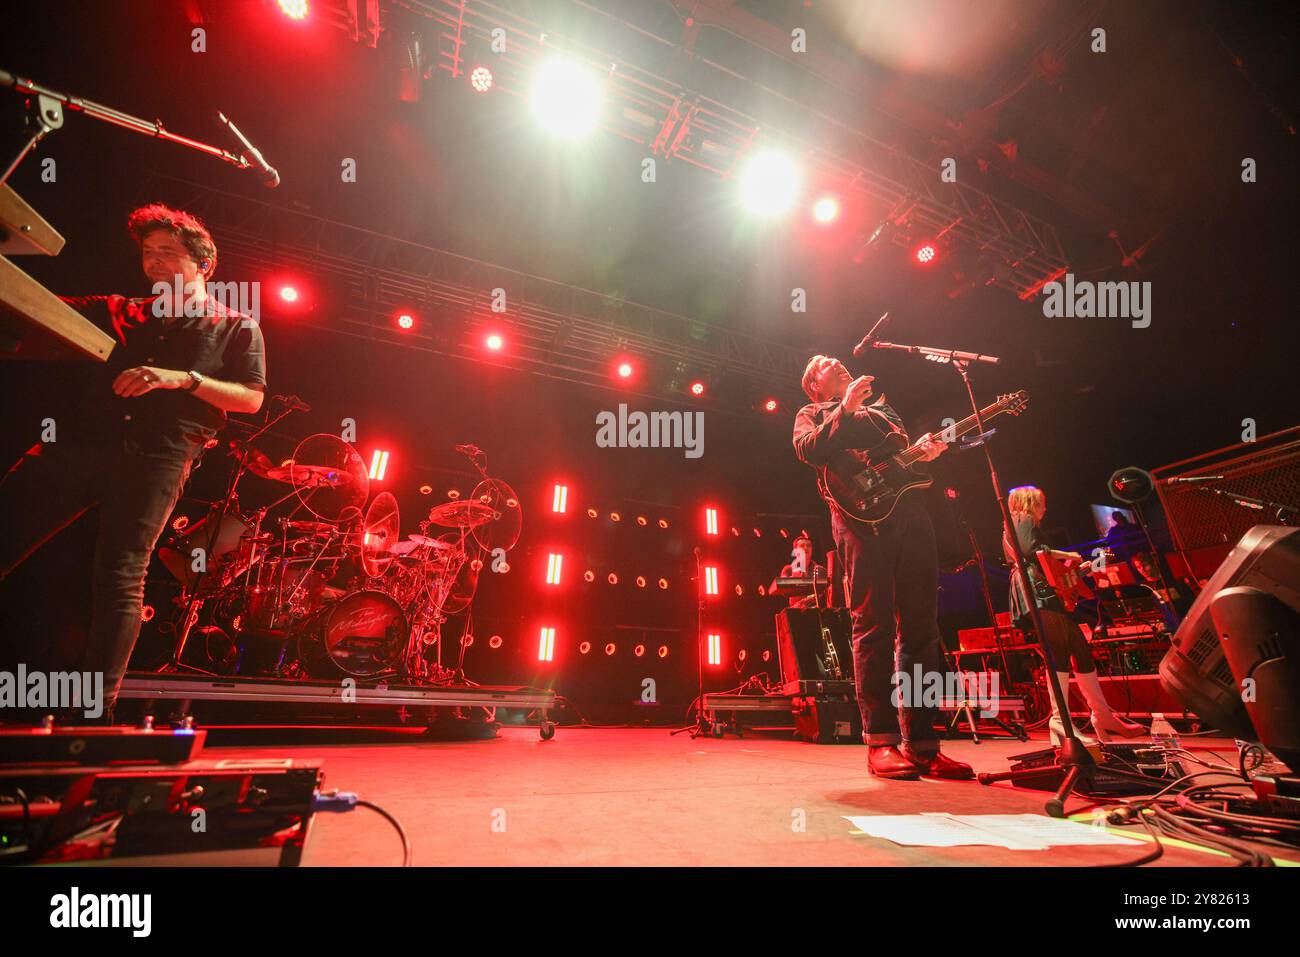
(869, 493)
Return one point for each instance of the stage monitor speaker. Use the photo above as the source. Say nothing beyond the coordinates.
(803, 653)
(1235, 659)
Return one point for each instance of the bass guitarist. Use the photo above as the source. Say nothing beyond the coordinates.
(893, 572)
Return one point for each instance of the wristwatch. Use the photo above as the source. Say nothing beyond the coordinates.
(196, 380)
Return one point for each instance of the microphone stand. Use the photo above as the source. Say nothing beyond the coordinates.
(1072, 758)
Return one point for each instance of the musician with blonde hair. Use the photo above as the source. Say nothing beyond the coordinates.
(1063, 635)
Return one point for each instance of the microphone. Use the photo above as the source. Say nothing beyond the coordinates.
(861, 347)
(293, 402)
(1194, 478)
(253, 155)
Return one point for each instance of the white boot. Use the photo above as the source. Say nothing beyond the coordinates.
(1105, 721)
(1056, 726)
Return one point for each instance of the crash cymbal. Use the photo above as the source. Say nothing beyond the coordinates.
(466, 514)
(329, 477)
(379, 533)
(255, 460)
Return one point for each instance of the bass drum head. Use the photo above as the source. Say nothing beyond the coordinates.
(365, 633)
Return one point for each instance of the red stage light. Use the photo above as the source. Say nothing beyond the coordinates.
(640, 581)
(554, 564)
(663, 583)
(639, 651)
(494, 641)
(294, 9)
(378, 465)
(715, 649)
(710, 580)
(641, 520)
(592, 513)
(615, 517)
(480, 79)
(546, 645)
(589, 575)
(289, 293)
(625, 370)
(560, 500)
(697, 388)
(612, 578)
(494, 342)
(611, 648)
(663, 651)
(826, 209)
(770, 405)
(584, 648)
(925, 253)
(710, 521)
(406, 321)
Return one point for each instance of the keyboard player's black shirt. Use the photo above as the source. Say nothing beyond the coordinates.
(223, 345)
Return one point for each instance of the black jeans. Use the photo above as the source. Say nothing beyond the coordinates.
(52, 486)
(893, 577)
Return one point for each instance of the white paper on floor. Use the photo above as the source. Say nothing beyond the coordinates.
(1017, 832)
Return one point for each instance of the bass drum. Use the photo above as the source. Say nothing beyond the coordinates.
(362, 634)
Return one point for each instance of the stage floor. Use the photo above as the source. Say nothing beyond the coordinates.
(615, 796)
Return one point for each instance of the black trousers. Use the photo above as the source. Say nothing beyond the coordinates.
(893, 576)
(52, 486)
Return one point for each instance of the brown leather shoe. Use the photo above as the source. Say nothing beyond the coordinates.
(886, 761)
(939, 765)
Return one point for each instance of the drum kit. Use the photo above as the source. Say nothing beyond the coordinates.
(328, 590)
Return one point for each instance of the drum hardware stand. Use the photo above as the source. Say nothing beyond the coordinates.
(1072, 757)
(194, 603)
(701, 727)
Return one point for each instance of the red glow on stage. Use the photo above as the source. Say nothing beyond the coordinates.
(611, 648)
(612, 578)
(770, 405)
(406, 321)
(546, 645)
(663, 651)
(950, 492)
(560, 499)
(710, 579)
(925, 253)
(289, 293)
(480, 79)
(494, 641)
(554, 564)
(639, 651)
(625, 370)
(697, 388)
(494, 342)
(663, 584)
(378, 465)
(715, 649)
(584, 648)
(294, 9)
(640, 581)
(826, 209)
(589, 575)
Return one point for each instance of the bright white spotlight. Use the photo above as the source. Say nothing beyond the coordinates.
(566, 98)
(769, 183)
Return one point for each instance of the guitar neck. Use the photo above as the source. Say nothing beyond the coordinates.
(970, 423)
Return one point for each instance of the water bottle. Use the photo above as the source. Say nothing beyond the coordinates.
(1163, 734)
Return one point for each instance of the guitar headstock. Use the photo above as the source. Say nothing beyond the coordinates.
(1013, 403)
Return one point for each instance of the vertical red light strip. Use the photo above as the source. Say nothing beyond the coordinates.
(715, 649)
(546, 647)
(554, 562)
(559, 503)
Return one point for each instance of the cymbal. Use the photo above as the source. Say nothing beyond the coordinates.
(255, 460)
(379, 533)
(328, 476)
(462, 514)
(507, 520)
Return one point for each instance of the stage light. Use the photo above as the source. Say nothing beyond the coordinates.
(611, 648)
(663, 651)
(289, 293)
(697, 388)
(566, 98)
(715, 649)
(480, 79)
(770, 405)
(494, 342)
(663, 583)
(584, 648)
(826, 209)
(710, 580)
(589, 575)
(740, 590)
(294, 9)
(453, 493)
(641, 520)
(640, 581)
(625, 370)
(592, 513)
(560, 500)
(784, 533)
(769, 184)
(406, 321)
(612, 578)
(554, 564)
(663, 523)
(710, 521)
(925, 253)
(495, 641)
(615, 517)
(742, 655)
(426, 490)
(757, 533)
(378, 465)
(146, 612)
(546, 645)
(639, 651)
